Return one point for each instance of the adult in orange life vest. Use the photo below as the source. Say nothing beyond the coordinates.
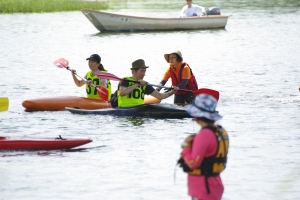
(181, 76)
(91, 77)
(204, 154)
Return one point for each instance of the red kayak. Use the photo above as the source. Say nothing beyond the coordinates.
(27, 143)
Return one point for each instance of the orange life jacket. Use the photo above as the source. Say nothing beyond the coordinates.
(192, 82)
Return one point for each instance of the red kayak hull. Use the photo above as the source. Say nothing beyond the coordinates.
(60, 103)
(27, 143)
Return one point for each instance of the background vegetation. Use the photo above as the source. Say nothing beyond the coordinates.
(29, 6)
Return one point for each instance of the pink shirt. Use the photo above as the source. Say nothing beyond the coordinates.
(204, 145)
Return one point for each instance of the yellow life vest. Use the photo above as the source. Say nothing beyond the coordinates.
(135, 98)
(93, 92)
(109, 89)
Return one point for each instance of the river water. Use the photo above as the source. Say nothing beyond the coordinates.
(253, 62)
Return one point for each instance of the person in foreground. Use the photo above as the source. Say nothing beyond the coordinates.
(91, 77)
(182, 76)
(131, 93)
(204, 155)
(192, 10)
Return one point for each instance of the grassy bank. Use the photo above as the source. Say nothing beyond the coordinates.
(30, 6)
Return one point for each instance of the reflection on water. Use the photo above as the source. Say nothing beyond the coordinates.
(31, 153)
(47, 153)
(135, 121)
(108, 34)
(289, 181)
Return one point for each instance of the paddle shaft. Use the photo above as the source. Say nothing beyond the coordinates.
(68, 68)
(115, 78)
(110, 76)
(160, 86)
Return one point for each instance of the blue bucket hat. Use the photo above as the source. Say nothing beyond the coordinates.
(204, 105)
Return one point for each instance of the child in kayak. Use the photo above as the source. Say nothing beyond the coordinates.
(91, 78)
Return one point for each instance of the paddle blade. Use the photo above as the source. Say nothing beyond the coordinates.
(61, 63)
(109, 76)
(102, 92)
(211, 92)
(4, 104)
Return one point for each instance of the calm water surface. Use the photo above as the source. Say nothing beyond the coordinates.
(254, 63)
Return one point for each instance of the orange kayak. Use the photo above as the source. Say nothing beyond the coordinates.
(28, 143)
(59, 103)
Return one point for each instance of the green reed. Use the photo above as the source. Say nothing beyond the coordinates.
(31, 6)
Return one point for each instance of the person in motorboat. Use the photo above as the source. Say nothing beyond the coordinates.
(94, 62)
(204, 155)
(131, 93)
(192, 10)
(181, 76)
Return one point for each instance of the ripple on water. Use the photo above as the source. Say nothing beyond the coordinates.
(253, 63)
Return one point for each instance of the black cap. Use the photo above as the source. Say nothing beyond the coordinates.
(95, 57)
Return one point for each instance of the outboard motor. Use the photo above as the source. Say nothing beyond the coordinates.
(213, 11)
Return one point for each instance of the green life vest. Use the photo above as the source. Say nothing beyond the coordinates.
(135, 98)
(109, 89)
(91, 91)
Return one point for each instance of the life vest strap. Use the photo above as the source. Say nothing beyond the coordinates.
(206, 185)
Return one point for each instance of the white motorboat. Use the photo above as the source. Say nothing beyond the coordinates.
(107, 21)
